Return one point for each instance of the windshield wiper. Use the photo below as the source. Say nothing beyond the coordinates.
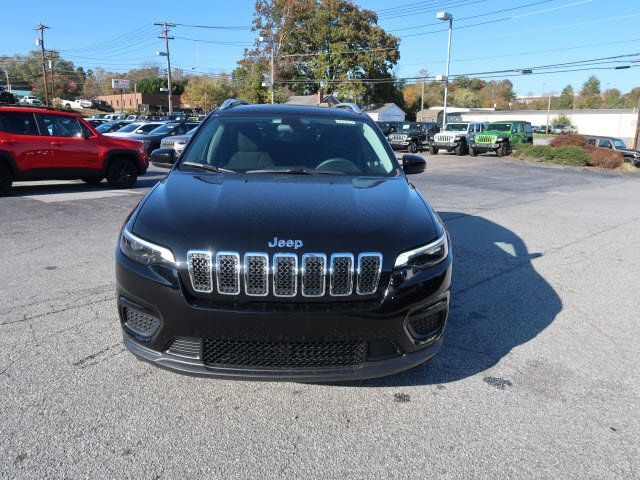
(207, 167)
(297, 171)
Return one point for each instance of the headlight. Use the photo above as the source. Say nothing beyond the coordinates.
(425, 256)
(144, 252)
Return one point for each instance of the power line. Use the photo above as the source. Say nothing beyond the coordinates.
(215, 27)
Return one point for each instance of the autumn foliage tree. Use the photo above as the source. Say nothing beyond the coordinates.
(325, 44)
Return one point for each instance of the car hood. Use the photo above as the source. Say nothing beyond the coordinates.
(116, 142)
(243, 212)
(627, 150)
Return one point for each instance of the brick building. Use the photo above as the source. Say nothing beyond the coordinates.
(130, 101)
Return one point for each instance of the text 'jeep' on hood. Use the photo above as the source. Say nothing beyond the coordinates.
(285, 243)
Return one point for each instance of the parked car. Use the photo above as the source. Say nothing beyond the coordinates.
(413, 136)
(501, 137)
(30, 100)
(152, 139)
(233, 265)
(7, 97)
(135, 128)
(177, 142)
(97, 116)
(388, 127)
(542, 129)
(76, 104)
(560, 129)
(101, 105)
(42, 144)
(111, 126)
(95, 122)
(631, 155)
(455, 137)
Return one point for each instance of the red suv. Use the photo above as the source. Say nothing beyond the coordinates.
(45, 144)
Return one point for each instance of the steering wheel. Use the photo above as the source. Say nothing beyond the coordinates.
(339, 165)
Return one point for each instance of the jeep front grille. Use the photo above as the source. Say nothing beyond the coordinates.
(288, 276)
(444, 138)
(228, 273)
(369, 267)
(485, 139)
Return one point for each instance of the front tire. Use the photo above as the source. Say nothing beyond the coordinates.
(461, 149)
(503, 150)
(6, 180)
(413, 147)
(433, 150)
(122, 174)
(473, 152)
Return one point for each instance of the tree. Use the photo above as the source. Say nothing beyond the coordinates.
(497, 94)
(560, 120)
(207, 92)
(327, 44)
(590, 93)
(566, 98)
(612, 98)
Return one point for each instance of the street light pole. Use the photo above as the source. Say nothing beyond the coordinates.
(444, 16)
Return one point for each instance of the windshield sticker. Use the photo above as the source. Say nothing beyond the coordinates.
(346, 122)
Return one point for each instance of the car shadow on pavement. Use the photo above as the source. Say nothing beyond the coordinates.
(498, 302)
(52, 187)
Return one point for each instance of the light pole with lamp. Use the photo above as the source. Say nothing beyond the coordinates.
(446, 17)
(269, 39)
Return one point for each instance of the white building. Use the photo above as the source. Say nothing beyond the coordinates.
(621, 123)
(387, 112)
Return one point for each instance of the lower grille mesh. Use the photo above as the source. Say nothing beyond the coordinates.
(140, 323)
(220, 352)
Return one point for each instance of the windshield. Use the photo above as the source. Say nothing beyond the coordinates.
(129, 128)
(410, 126)
(163, 129)
(107, 127)
(499, 127)
(618, 143)
(291, 142)
(457, 127)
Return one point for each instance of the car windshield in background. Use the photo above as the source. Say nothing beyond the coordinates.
(290, 144)
(106, 127)
(410, 126)
(619, 143)
(192, 131)
(499, 127)
(163, 129)
(130, 128)
(457, 127)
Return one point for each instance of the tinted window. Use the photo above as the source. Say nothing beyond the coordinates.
(265, 142)
(605, 143)
(592, 141)
(18, 123)
(60, 126)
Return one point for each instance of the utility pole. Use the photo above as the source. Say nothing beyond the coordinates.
(52, 64)
(165, 31)
(636, 140)
(422, 102)
(546, 127)
(42, 28)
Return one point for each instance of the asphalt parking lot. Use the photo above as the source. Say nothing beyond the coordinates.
(538, 376)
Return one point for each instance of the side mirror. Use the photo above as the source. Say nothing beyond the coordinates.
(413, 163)
(163, 157)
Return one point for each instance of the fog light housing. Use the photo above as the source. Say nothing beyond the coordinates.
(139, 323)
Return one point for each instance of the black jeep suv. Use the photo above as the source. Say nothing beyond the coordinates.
(413, 136)
(286, 243)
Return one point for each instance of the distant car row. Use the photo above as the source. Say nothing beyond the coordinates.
(461, 138)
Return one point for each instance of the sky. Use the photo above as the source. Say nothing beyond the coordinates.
(488, 35)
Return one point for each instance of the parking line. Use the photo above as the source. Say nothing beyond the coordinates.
(86, 195)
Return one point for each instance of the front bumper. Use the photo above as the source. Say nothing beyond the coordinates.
(157, 291)
(399, 145)
(485, 147)
(444, 144)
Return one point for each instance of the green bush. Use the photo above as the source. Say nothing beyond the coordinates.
(571, 155)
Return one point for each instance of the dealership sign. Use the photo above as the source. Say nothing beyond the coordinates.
(120, 83)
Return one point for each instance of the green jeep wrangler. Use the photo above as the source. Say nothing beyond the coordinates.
(500, 137)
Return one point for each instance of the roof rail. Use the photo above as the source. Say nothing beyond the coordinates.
(349, 106)
(232, 102)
